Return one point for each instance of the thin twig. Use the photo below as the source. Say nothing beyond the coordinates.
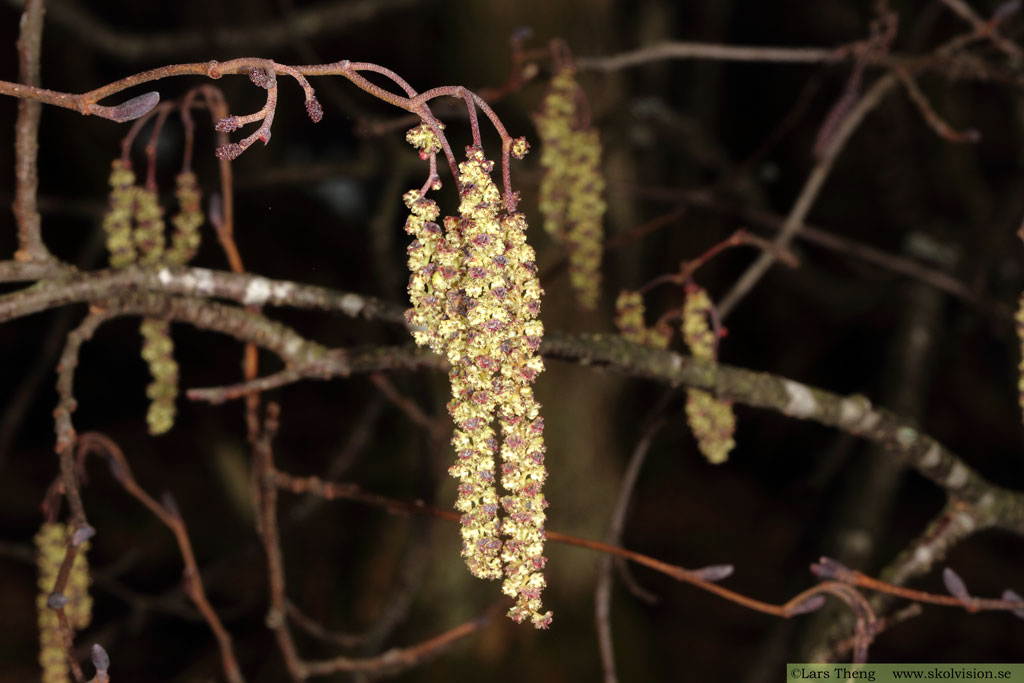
(265, 489)
(930, 116)
(809, 193)
(398, 659)
(317, 630)
(603, 591)
(129, 46)
(94, 442)
(982, 28)
(713, 52)
(26, 140)
(831, 241)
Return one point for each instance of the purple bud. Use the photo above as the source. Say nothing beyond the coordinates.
(259, 77)
(100, 659)
(129, 110)
(230, 151)
(827, 568)
(811, 604)
(82, 534)
(1012, 596)
(715, 572)
(228, 124)
(313, 108)
(955, 585)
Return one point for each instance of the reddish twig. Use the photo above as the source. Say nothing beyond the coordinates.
(96, 443)
(265, 490)
(930, 116)
(830, 569)
(603, 590)
(739, 238)
(317, 630)
(346, 491)
(398, 659)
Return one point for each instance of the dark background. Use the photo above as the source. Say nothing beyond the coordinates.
(321, 204)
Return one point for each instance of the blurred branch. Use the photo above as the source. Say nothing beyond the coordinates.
(26, 140)
(984, 28)
(930, 116)
(809, 193)
(397, 660)
(716, 52)
(265, 495)
(166, 512)
(838, 580)
(825, 239)
(603, 591)
(327, 18)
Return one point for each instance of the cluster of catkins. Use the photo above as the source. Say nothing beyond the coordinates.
(475, 300)
(711, 419)
(135, 230)
(572, 188)
(51, 546)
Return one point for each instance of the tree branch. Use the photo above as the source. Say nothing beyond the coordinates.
(26, 140)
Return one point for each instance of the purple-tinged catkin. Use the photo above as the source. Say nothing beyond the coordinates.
(629, 320)
(711, 419)
(572, 187)
(475, 300)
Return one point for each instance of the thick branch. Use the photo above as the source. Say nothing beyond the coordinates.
(243, 288)
(307, 359)
(854, 414)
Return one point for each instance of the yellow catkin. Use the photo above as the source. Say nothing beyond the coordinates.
(711, 419)
(475, 300)
(135, 229)
(185, 238)
(157, 346)
(117, 222)
(629, 320)
(51, 546)
(572, 187)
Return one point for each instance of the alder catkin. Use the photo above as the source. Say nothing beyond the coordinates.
(135, 229)
(475, 300)
(572, 187)
(629, 320)
(51, 545)
(711, 419)
(157, 346)
(117, 222)
(185, 238)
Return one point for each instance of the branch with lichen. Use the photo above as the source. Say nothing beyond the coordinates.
(853, 414)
